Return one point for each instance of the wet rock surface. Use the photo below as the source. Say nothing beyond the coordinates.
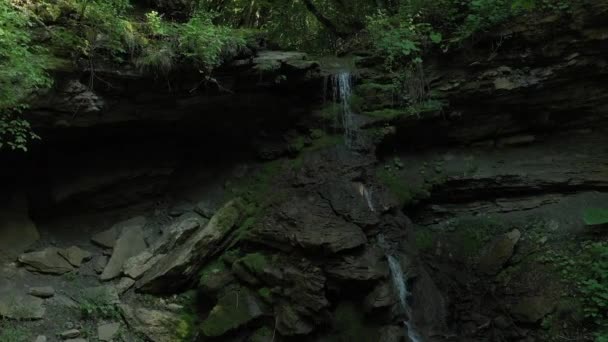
(501, 178)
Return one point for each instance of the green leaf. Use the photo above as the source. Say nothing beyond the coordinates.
(436, 37)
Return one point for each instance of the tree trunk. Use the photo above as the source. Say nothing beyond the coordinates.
(323, 19)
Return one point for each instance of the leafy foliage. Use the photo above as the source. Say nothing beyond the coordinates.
(588, 272)
(22, 71)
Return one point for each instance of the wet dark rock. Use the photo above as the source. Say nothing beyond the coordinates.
(498, 252)
(392, 333)
(308, 223)
(290, 322)
(350, 200)
(382, 296)
(532, 309)
(235, 308)
(370, 264)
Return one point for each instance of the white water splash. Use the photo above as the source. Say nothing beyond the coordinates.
(342, 92)
(367, 194)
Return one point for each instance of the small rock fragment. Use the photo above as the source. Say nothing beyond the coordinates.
(72, 333)
(40, 338)
(42, 292)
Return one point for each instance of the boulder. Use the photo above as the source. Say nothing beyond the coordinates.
(173, 237)
(180, 267)
(75, 256)
(308, 223)
(235, 308)
(498, 252)
(156, 325)
(131, 242)
(382, 296)
(532, 309)
(47, 261)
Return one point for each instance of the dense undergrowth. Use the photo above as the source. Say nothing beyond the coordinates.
(39, 36)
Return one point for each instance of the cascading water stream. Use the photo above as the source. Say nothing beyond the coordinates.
(398, 279)
(342, 91)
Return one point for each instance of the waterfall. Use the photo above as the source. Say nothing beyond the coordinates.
(342, 91)
(398, 278)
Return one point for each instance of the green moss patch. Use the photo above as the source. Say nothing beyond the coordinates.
(595, 216)
(255, 262)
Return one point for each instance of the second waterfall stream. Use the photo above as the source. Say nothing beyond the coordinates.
(398, 277)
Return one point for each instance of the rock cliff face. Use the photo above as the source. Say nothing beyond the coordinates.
(290, 226)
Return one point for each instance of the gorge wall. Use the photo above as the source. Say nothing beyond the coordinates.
(235, 209)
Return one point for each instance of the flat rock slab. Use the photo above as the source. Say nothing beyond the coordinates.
(130, 243)
(106, 332)
(16, 305)
(47, 261)
(75, 255)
